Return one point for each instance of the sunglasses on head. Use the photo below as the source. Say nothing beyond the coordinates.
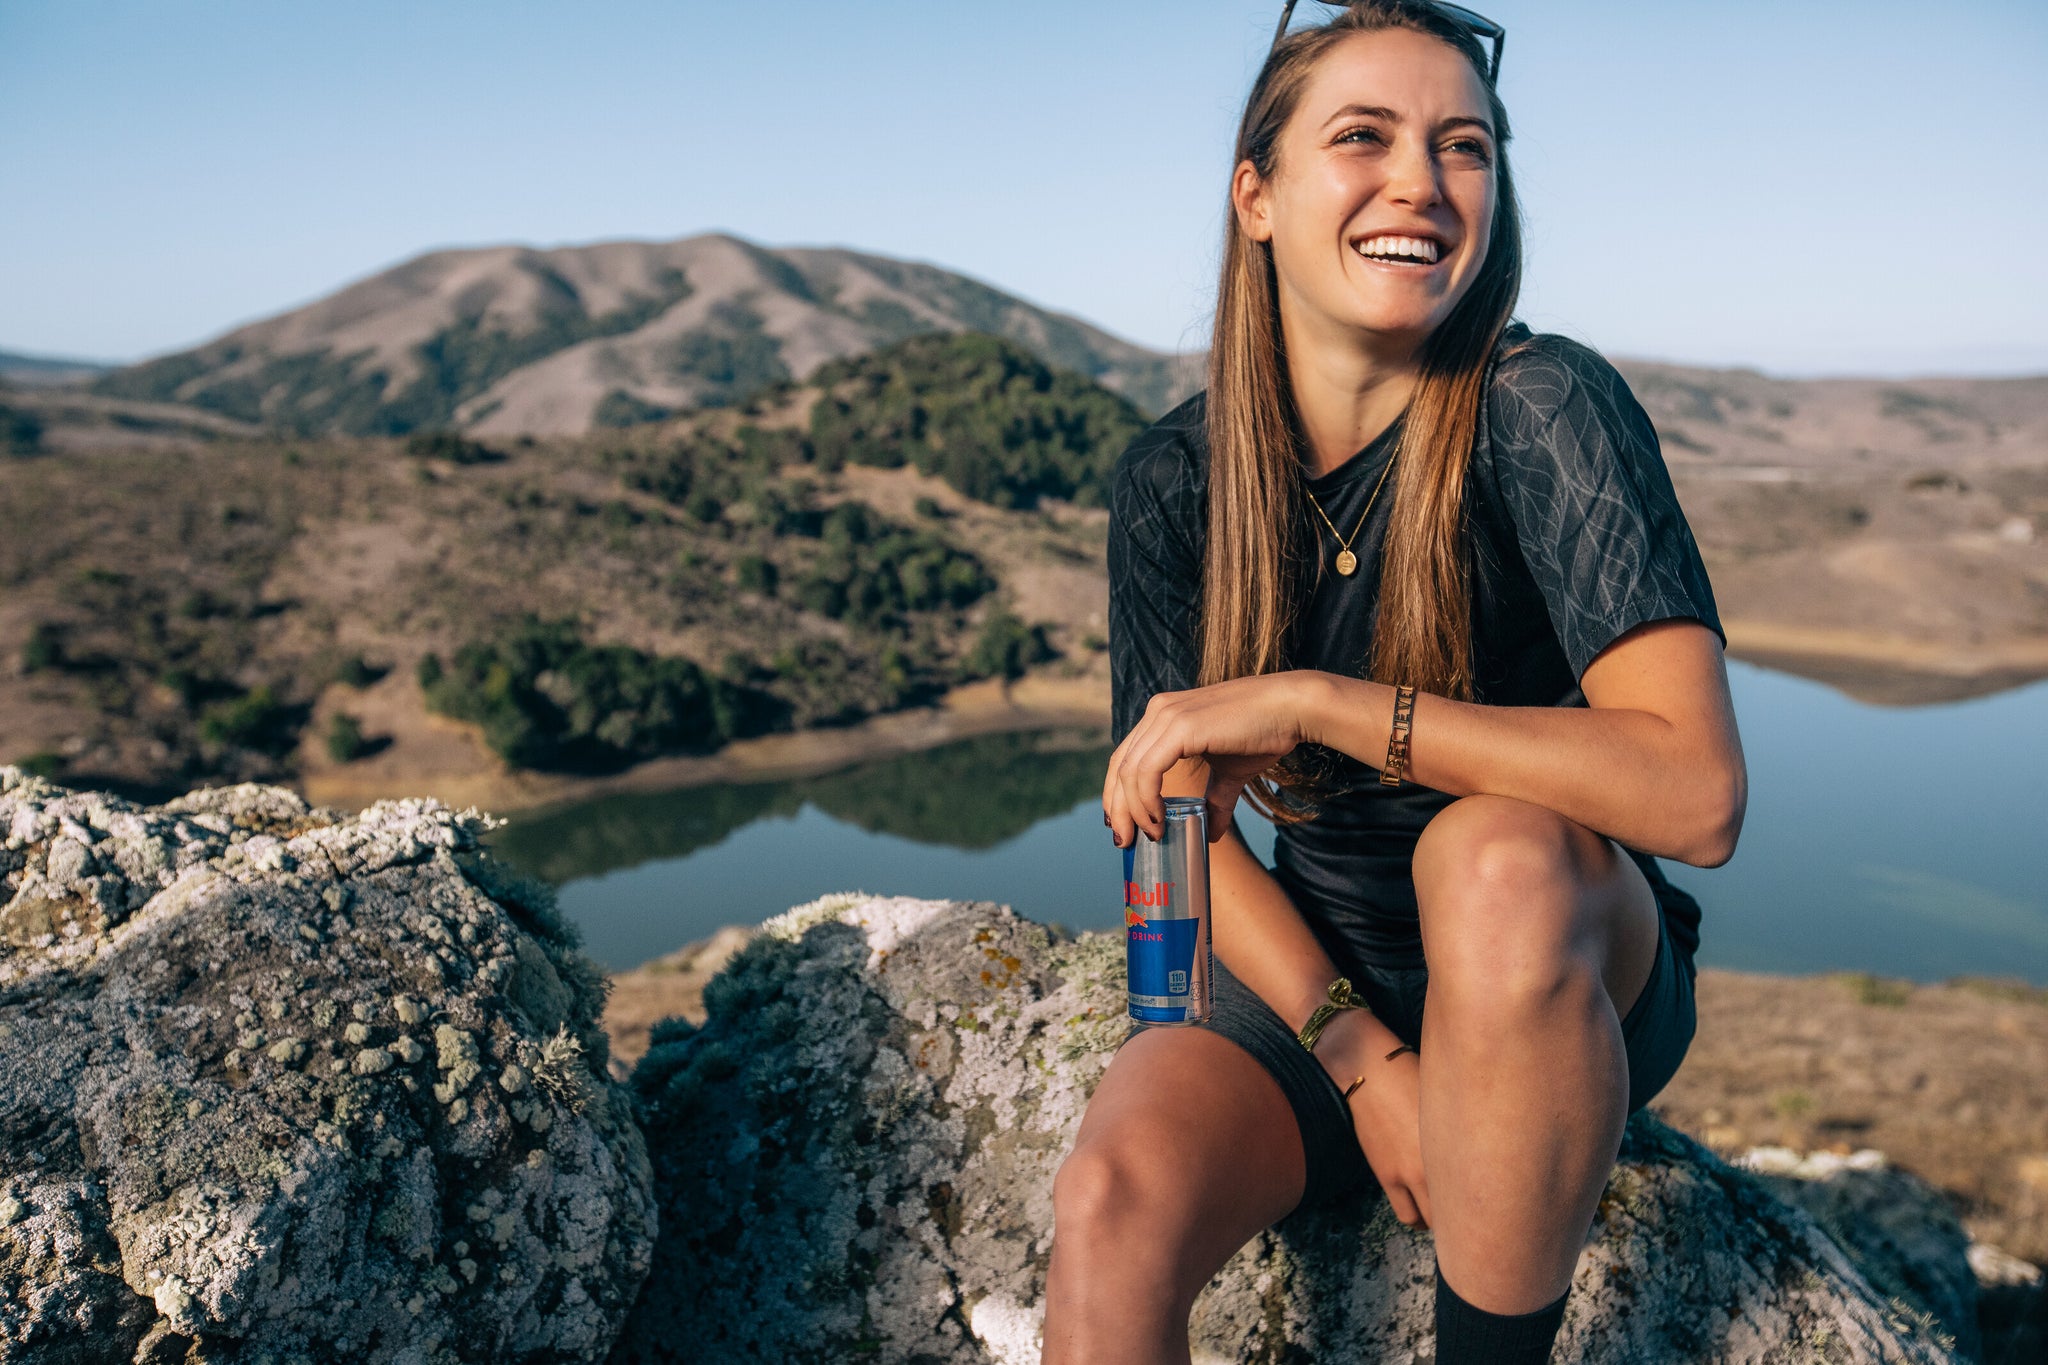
(1480, 26)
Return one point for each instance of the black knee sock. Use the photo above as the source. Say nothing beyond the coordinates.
(1472, 1336)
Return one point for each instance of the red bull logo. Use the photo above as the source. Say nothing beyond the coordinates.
(1156, 894)
(1135, 896)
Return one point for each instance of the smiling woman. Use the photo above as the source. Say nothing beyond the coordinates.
(1412, 580)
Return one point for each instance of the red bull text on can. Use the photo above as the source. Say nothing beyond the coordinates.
(1166, 917)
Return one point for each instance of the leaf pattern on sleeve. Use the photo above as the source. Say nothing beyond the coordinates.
(1576, 462)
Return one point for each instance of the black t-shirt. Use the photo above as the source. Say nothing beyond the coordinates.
(1576, 538)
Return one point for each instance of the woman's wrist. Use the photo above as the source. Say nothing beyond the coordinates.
(1352, 1044)
(1352, 715)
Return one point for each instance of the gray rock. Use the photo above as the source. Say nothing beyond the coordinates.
(855, 1157)
(222, 1131)
(1901, 1232)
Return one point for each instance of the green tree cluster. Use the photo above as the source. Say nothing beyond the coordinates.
(257, 719)
(546, 699)
(871, 571)
(705, 475)
(988, 417)
(1006, 647)
(828, 682)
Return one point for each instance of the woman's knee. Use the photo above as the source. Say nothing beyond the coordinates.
(1502, 887)
(1112, 1210)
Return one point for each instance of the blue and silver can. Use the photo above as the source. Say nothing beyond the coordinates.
(1166, 918)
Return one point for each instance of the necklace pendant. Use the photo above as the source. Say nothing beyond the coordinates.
(1347, 562)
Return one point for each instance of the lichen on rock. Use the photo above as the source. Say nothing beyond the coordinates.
(220, 1137)
(855, 1156)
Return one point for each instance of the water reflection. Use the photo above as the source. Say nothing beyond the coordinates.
(1854, 856)
(975, 794)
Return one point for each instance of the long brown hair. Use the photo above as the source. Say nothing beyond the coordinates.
(1250, 589)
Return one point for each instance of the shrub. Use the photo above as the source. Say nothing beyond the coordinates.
(21, 432)
(353, 672)
(621, 409)
(345, 742)
(254, 720)
(43, 649)
(44, 763)
(451, 446)
(1006, 647)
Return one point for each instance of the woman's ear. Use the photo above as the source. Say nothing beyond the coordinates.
(1248, 200)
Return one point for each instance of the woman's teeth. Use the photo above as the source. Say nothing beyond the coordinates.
(1419, 250)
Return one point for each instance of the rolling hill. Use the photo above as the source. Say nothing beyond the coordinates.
(509, 340)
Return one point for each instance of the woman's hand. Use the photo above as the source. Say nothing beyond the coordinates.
(1385, 1111)
(1239, 728)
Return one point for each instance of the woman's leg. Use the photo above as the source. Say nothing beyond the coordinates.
(1188, 1149)
(1539, 935)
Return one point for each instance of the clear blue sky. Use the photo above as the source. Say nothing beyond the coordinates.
(1808, 187)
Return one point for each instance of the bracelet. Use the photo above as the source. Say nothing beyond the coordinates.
(1352, 1088)
(1396, 765)
(1340, 999)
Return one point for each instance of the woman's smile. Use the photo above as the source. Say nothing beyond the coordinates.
(1399, 250)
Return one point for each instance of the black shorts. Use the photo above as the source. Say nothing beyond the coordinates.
(1656, 1032)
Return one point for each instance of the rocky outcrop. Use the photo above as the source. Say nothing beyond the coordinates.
(1899, 1231)
(855, 1156)
(277, 1084)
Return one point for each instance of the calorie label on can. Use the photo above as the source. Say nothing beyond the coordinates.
(1166, 918)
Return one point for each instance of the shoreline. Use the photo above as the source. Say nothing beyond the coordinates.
(1888, 670)
(1033, 702)
(1869, 668)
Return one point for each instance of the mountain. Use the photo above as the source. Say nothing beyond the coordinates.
(513, 340)
(16, 368)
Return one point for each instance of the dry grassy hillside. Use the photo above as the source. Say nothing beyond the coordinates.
(204, 613)
(1888, 536)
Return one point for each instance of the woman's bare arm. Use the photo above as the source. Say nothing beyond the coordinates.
(1259, 933)
(1652, 762)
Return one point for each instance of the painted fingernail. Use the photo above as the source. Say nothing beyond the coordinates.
(1105, 817)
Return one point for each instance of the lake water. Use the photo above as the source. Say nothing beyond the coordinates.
(1903, 841)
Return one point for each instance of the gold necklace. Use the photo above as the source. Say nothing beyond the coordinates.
(1347, 562)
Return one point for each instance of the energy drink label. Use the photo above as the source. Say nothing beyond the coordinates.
(1166, 917)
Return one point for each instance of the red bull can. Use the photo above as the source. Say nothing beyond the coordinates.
(1168, 958)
